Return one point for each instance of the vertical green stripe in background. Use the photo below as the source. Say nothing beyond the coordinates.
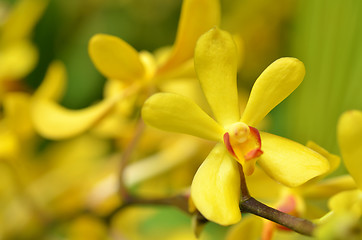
(327, 37)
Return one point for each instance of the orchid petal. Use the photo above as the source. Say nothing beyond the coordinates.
(329, 187)
(56, 122)
(216, 66)
(350, 143)
(347, 201)
(273, 86)
(289, 162)
(333, 160)
(17, 60)
(206, 13)
(161, 162)
(9, 146)
(215, 189)
(176, 113)
(53, 85)
(249, 228)
(16, 110)
(262, 187)
(115, 58)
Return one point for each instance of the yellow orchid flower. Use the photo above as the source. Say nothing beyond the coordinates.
(215, 188)
(16, 125)
(346, 206)
(134, 74)
(350, 143)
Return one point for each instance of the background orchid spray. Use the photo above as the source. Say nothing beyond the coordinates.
(215, 189)
(131, 76)
(346, 206)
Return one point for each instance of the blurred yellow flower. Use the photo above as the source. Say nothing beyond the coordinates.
(346, 207)
(215, 188)
(132, 76)
(16, 125)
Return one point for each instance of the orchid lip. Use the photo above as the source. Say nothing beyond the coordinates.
(254, 135)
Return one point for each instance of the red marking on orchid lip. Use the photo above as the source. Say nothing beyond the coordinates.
(256, 134)
(228, 144)
(253, 154)
(257, 151)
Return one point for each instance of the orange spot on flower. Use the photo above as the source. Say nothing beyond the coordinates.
(287, 205)
(268, 230)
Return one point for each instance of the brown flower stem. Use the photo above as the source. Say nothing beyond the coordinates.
(244, 192)
(296, 224)
(127, 155)
(249, 205)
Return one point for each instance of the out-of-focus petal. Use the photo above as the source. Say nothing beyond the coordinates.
(17, 114)
(115, 58)
(166, 159)
(176, 113)
(22, 20)
(187, 87)
(56, 122)
(333, 160)
(329, 187)
(273, 86)
(86, 227)
(73, 165)
(347, 201)
(53, 85)
(289, 162)
(249, 228)
(338, 225)
(17, 60)
(215, 188)
(197, 16)
(262, 187)
(350, 143)
(9, 145)
(216, 66)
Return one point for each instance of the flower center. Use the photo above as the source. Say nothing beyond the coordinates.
(244, 143)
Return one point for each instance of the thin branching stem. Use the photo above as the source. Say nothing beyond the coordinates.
(249, 205)
(127, 155)
(296, 224)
